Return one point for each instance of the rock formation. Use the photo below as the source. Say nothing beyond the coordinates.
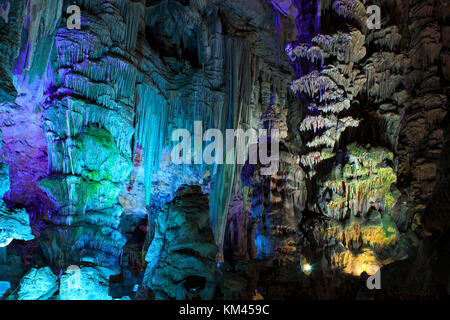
(182, 255)
(14, 224)
(100, 209)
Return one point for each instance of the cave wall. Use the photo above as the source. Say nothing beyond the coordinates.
(364, 205)
(87, 117)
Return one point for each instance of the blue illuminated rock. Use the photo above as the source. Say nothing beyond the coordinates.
(14, 224)
(85, 283)
(88, 125)
(4, 174)
(38, 284)
(11, 23)
(4, 177)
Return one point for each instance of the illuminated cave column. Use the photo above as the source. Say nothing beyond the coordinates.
(88, 122)
(14, 224)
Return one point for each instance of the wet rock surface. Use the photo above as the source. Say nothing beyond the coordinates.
(38, 284)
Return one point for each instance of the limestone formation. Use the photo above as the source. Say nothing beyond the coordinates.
(182, 254)
(38, 284)
(94, 206)
(14, 224)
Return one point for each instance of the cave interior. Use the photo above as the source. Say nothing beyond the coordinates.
(348, 102)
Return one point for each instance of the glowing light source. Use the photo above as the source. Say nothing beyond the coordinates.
(307, 267)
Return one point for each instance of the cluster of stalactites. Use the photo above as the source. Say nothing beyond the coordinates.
(384, 73)
(363, 181)
(321, 46)
(326, 100)
(338, 44)
(157, 118)
(41, 19)
(344, 8)
(94, 77)
(314, 85)
(347, 9)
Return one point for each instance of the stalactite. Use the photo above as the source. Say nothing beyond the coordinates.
(363, 182)
(313, 54)
(133, 15)
(336, 44)
(238, 75)
(41, 20)
(316, 123)
(327, 90)
(344, 8)
(151, 131)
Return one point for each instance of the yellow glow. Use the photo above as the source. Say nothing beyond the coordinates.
(307, 267)
(356, 264)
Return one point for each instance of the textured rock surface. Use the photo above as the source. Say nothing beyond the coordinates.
(182, 254)
(87, 117)
(359, 199)
(368, 74)
(11, 28)
(88, 165)
(14, 224)
(88, 200)
(38, 284)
